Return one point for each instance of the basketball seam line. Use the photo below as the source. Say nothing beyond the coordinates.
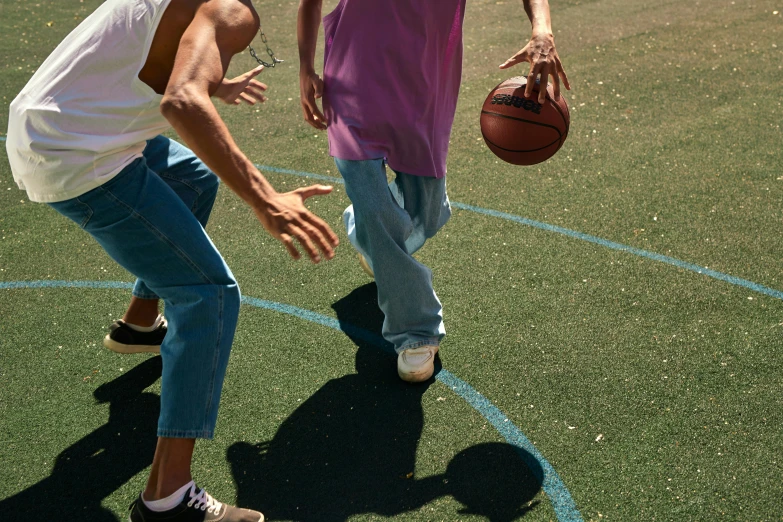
(554, 104)
(565, 121)
(524, 120)
(527, 121)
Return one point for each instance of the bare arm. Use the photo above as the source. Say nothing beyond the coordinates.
(540, 51)
(310, 84)
(220, 29)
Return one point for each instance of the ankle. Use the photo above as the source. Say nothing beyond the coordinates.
(168, 502)
(165, 488)
(140, 319)
(141, 312)
(159, 320)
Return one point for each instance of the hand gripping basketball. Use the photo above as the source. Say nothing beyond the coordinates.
(522, 130)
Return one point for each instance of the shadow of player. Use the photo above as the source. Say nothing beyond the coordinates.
(100, 463)
(351, 447)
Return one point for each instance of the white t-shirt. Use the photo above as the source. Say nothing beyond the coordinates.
(85, 115)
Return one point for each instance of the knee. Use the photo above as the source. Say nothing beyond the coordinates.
(224, 288)
(387, 219)
(444, 217)
(232, 297)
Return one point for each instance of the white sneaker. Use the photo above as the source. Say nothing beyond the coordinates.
(417, 364)
(365, 266)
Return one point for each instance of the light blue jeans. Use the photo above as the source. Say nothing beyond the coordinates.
(387, 223)
(150, 218)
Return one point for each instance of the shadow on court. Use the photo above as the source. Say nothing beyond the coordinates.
(97, 465)
(350, 449)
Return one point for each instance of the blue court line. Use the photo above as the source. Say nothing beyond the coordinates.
(750, 285)
(562, 503)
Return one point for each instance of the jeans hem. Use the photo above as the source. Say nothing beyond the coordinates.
(186, 434)
(419, 344)
(140, 295)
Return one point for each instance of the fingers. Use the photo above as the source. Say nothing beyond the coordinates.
(541, 69)
(313, 190)
(306, 242)
(257, 86)
(521, 56)
(289, 245)
(311, 88)
(318, 88)
(315, 227)
(247, 98)
(316, 235)
(556, 70)
(531, 79)
(251, 97)
(253, 73)
(289, 220)
(318, 117)
(311, 119)
(509, 63)
(313, 116)
(562, 75)
(556, 83)
(543, 83)
(313, 235)
(327, 239)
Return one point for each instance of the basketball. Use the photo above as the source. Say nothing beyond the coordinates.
(520, 130)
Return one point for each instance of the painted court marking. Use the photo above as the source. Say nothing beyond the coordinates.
(750, 285)
(564, 506)
(562, 503)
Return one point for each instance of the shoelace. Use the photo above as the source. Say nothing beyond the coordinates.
(203, 501)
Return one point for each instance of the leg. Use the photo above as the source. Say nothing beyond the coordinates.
(142, 329)
(379, 228)
(425, 200)
(141, 312)
(147, 228)
(195, 185)
(170, 467)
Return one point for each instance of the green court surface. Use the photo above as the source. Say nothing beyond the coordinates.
(614, 315)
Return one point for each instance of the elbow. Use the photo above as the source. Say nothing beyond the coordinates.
(176, 102)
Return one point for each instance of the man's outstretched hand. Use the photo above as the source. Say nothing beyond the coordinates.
(244, 88)
(287, 219)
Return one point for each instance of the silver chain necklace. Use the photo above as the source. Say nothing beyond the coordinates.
(269, 51)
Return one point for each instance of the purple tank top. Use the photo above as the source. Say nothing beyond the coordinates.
(392, 71)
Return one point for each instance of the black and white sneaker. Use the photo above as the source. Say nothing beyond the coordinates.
(124, 339)
(195, 507)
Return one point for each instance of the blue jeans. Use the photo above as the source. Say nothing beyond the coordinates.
(387, 224)
(150, 219)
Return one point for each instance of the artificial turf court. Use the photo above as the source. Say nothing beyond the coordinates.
(618, 308)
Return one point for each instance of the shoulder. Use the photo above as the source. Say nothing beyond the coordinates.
(232, 20)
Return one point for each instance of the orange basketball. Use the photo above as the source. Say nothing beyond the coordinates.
(520, 130)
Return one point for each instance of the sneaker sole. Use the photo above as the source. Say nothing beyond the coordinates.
(415, 377)
(259, 520)
(114, 346)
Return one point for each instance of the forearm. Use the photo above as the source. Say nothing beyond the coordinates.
(538, 13)
(307, 25)
(198, 123)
